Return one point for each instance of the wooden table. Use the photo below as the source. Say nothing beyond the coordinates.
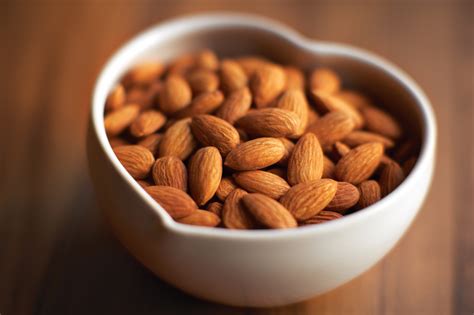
(56, 255)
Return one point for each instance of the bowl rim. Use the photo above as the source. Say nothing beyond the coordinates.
(208, 21)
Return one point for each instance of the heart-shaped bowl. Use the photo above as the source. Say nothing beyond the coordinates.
(259, 267)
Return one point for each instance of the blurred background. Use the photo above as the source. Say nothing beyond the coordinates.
(58, 257)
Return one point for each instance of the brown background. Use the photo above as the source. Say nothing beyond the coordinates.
(56, 255)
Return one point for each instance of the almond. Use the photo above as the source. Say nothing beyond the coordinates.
(324, 79)
(115, 122)
(267, 83)
(378, 121)
(295, 101)
(392, 175)
(116, 98)
(136, 159)
(144, 73)
(175, 94)
(234, 215)
(236, 105)
(117, 142)
(358, 137)
(205, 173)
(354, 98)
(250, 64)
(305, 200)
(294, 78)
(323, 216)
(178, 140)
(278, 171)
(170, 171)
(213, 131)
(207, 59)
(140, 96)
(409, 164)
(360, 163)
(144, 183)
(369, 193)
(255, 154)
(202, 80)
(147, 123)
(268, 211)
(330, 103)
(306, 162)
(204, 103)
(182, 64)
(270, 122)
(328, 168)
(262, 182)
(201, 218)
(216, 208)
(288, 151)
(406, 150)
(225, 187)
(176, 202)
(340, 149)
(331, 127)
(151, 142)
(313, 116)
(232, 76)
(347, 195)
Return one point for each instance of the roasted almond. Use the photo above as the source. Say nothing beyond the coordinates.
(331, 127)
(347, 195)
(175, 95)
(204, 103)
(267, 83)
(205, 173)
(391, 176)
(360, 163)
(136, 159)
(202, 81)
(235, 106)
(201, 218)
(178, 140)
(379, 121)
(234, 215)
(170, 171)
(268, 211)
(255, 154)
(369, 193)
(116, 98)
(115, 122)
(306, 162)
(147, 123)
(305, 200)
(288, 151)
(215, 207)
(144, 73)
(331, 103)
(151, 142)
(225, 187)
(213, 131)
(176, 202)
(295, 101)
(270, 122)
(358, 137)
(232, 76)
(324, 79)
(323, 216)
(262, 182)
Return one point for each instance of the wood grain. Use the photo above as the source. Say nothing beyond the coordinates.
(58, 257)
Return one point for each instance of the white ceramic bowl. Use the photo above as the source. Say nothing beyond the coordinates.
(261, 267)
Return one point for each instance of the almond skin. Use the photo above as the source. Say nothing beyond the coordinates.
(347, 195)
(207, 59)
(323, 216)
(234, 215)
(289, 146)
(117, 142)
(370, 193)
(226, 186)
(409, 164)
(294, 78)
(176, 202)
(144, 73)
(175, 95)
(268, 211)
(305, 200)
(170, 171)
(147, 123)
(391, 176)
(255, 154)
(144, 183)
(330, 103)
(295, 101)
(213, 131)
(354, 98)
(235, 106)
(205, 173)
(232, 76)
(151, 142)
(360, 163)
(358, 137)
(267, 83)
(262, 182)
(270, 122)
(216, 208)
(116, 98)
(331, 127)
(178, 140)
(201, 218)
(202, 81)
(328, 168)
(204, 103)
(340, 149)
(115, 122)
(379, 121)
(306, 162)
(324, 79)
(136, 159)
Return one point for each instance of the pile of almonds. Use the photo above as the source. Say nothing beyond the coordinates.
(246, 143)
